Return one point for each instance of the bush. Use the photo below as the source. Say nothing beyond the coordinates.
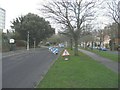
(116, 47)
(5, 45)
(107, 46)
(21, 43)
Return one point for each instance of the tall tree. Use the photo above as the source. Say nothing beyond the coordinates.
(38, 28)
(68, 36)
(70, 14)
(114, 12)
(112, 31)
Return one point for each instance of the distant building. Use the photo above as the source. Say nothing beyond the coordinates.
(106, 39)
(2, 18)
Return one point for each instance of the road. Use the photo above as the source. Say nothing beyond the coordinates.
(26, 69)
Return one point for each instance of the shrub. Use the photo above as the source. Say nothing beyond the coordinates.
(116, 47)
(21, 43)
(107, 46)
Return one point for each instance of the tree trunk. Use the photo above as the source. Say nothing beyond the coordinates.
(85, 44)
(76, 47)
(113, 45)
(100, 43)
(92, 46)
(71, 44)
(118, 33)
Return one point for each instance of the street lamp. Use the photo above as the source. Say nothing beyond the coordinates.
(28, 40)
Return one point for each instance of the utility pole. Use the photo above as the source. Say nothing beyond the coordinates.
(28, 40)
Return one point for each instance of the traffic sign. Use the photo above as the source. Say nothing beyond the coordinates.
(65, 53)
(54, 50)
(12, 41)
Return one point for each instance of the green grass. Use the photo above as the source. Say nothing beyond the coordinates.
(79, 72)
(105, 54)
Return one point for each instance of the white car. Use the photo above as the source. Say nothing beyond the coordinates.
(61, 45)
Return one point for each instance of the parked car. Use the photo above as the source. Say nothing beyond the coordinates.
(61, 45)
(103, 49)
(47, 44)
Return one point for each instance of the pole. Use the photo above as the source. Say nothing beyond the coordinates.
(28, 41)
(34, 44)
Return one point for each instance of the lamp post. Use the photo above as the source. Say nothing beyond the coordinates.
(28, 40)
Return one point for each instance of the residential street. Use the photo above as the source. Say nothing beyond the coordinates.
(26, 69)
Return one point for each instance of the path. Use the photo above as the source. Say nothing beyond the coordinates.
(107, 62)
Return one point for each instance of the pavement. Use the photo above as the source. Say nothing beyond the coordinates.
(24, 69)
(15, 52)
(107, 62)
(113, 52)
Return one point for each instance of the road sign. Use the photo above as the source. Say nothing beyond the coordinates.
(50, 48)
(65, 53)
(11, 41)
(55, 51)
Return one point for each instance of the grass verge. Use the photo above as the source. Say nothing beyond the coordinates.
(79, 72)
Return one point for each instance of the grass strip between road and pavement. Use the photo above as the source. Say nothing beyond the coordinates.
(79, 72)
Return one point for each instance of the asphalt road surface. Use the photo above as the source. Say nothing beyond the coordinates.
(26, 69)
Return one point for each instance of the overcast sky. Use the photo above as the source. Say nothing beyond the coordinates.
(15, 8)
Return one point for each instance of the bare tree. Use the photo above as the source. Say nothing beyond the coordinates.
(114, 12)
(71, 14)
(68, 36)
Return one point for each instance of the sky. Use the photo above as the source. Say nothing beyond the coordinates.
(16, 8)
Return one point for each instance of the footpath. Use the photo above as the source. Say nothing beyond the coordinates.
(21, 51)
(17, 52)
(12, 53)
(107, 62)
